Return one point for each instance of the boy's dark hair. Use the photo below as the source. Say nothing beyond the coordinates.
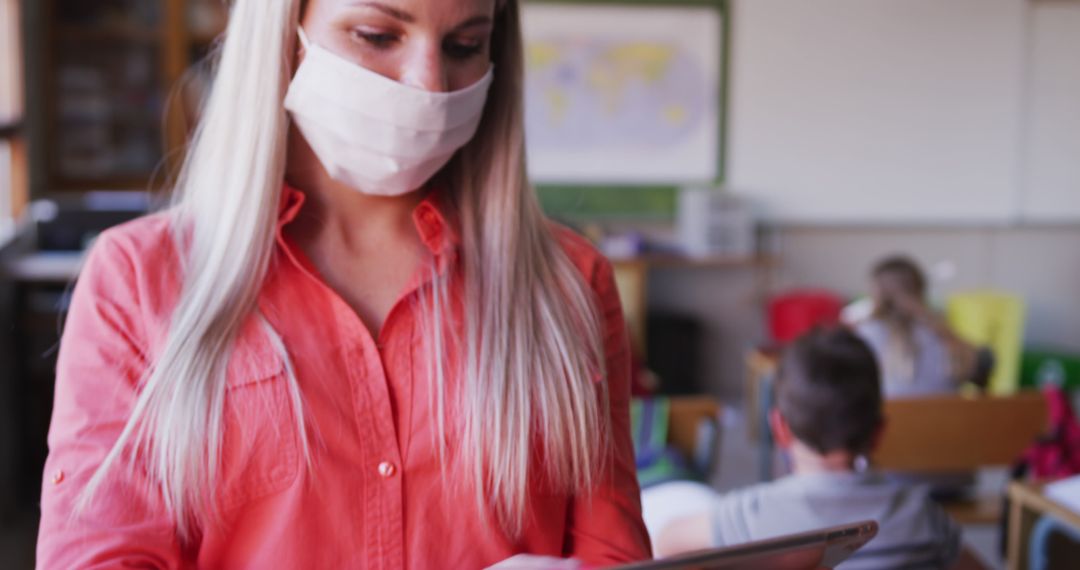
(828, 390)
(904, 272)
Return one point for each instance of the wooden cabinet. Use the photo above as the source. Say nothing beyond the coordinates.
(120, 85)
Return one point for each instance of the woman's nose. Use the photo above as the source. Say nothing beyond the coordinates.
(424, 69)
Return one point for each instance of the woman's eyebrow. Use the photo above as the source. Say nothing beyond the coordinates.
(473, 22)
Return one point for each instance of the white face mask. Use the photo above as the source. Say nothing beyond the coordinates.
(372, 133)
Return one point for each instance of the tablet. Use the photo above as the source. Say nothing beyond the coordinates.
(812, 550)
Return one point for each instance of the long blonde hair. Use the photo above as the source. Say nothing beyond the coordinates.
(898, 278)
(531, 346)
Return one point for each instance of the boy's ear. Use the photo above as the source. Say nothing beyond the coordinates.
(781, 432)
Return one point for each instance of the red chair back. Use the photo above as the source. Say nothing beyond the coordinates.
(796, 312)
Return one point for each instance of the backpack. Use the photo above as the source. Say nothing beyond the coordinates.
(1058, 454)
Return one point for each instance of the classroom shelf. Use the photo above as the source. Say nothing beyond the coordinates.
(113, 33)
(112, 68)
(677, 261)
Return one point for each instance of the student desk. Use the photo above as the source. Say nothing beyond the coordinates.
(1028, 503)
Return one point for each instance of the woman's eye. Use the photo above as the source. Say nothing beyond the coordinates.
(377, 40)
(462, 50)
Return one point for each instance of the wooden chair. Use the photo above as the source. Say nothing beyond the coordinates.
(957, 433)
(941, 434)
(684, 420)
(761, 364)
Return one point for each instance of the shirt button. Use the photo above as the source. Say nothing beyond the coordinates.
(58, 477)
(387, 469)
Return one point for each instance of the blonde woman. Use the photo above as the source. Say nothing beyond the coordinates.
(354, 340)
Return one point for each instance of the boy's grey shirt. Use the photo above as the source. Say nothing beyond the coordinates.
(914, 532)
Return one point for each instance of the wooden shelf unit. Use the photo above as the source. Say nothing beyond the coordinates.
(116, 113)
(632, 277)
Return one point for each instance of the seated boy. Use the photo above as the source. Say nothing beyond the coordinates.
(828, 417)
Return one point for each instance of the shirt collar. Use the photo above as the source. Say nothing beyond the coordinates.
(838, 478)
(429, 217)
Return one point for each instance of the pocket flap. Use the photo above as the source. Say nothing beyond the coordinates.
(253, 358)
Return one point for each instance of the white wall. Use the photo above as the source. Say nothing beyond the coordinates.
(1051, 165)
(923, 111)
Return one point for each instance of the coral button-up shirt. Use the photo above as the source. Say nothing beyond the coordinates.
(375, 497)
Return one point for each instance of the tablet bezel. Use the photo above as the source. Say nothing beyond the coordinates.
(837, 544)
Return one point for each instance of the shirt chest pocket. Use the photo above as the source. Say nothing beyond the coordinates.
(259, 455)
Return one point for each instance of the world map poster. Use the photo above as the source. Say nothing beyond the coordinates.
(622, 94)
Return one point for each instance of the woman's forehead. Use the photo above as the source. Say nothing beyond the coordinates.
(410, 11)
